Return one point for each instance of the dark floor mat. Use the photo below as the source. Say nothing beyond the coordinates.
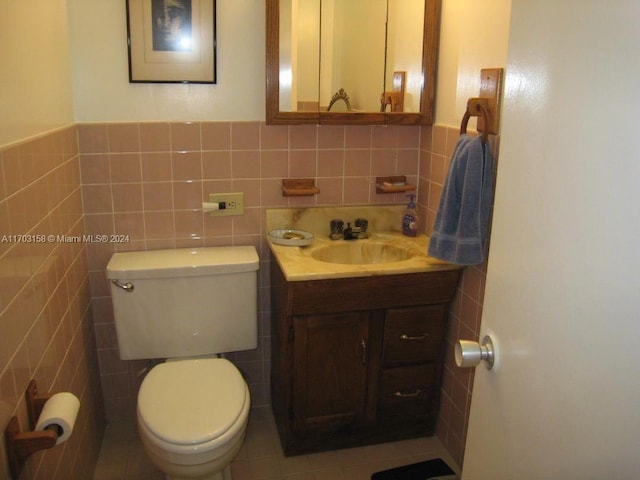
(415, 471)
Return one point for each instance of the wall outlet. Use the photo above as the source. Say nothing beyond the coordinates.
(233, 203)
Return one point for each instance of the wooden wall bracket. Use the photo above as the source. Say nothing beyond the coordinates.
(299, 187)
(491, 89)
(393, 184)
(21, 445)
(487, 106)
(35, 403)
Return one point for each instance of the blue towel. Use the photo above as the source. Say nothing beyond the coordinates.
(460, 230)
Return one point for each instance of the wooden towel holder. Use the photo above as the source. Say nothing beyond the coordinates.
(487, 106)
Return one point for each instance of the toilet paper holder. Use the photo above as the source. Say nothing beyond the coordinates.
(21, 445)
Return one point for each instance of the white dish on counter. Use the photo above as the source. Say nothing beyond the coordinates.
(291, 238)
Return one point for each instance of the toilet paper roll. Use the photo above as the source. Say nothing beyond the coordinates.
(61, 410)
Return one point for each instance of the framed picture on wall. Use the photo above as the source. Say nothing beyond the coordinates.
(172, 41)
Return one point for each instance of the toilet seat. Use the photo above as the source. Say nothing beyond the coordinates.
(192, 406)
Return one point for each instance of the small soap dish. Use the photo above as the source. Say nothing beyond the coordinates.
(393, 184)
(291, 238)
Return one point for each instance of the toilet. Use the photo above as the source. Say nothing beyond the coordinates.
(188, 306)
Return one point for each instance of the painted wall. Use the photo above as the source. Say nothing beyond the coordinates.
(35, 68)
(101, 85)
(404, 47)
(473, 35)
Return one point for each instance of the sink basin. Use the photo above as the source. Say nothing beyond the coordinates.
(362, 252)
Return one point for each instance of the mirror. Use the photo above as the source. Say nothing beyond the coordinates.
(382, 52)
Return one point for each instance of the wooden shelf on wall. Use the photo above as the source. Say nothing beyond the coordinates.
(393, 184)
(299, 187)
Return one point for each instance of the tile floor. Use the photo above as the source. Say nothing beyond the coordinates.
(261, 458)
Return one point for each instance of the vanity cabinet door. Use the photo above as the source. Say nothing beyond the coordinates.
(330, 356)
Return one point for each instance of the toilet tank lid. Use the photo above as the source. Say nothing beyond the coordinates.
(183, 262)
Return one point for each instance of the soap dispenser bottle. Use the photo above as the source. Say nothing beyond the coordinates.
(410, 218)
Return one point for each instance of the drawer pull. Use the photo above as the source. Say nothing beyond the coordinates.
(408, 395)
(409, 337)
(363, 345)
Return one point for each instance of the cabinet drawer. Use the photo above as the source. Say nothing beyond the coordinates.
(414, 334)
(406, 390)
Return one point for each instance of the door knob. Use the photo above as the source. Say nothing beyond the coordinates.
(469, 353)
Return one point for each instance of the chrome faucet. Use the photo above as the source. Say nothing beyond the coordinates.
(359, 231)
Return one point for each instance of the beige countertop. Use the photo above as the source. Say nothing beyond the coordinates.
(298, 263)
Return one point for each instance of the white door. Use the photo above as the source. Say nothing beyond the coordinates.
(563, 286)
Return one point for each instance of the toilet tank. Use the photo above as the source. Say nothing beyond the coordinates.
(185, 302)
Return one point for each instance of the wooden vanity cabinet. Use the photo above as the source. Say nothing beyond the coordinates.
(357, 360)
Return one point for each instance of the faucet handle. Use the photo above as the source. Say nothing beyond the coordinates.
(361, 227)
(362, 224)
(337, 227)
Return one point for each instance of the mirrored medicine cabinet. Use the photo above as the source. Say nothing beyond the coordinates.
(367, 62)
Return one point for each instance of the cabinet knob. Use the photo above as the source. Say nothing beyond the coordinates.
(469, 353)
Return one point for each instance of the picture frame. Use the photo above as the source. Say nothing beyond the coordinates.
(171, 41)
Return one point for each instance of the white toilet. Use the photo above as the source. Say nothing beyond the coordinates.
(186, 306)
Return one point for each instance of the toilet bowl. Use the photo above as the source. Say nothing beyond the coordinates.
(192, 417)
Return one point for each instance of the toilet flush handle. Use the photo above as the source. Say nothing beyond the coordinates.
(125, 286)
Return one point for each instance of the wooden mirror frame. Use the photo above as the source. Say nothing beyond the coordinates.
(431, 36)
